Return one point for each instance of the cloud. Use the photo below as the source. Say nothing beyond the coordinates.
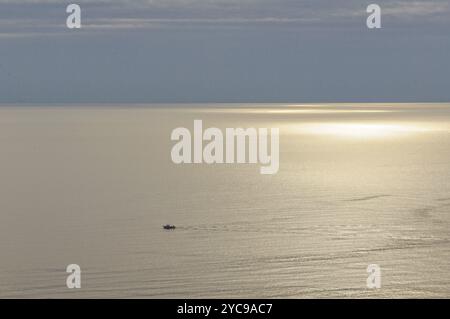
(417, 8)
(40, 16)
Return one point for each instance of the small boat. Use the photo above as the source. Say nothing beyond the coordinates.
(170, 227)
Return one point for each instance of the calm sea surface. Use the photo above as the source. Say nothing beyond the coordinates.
(358, 184)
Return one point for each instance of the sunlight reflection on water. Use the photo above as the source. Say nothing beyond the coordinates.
(362, 130)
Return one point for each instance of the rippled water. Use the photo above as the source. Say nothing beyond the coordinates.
(358, 185)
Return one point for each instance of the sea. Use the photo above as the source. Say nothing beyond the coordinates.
(92, 185)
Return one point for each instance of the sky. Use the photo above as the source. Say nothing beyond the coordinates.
(267, 51)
